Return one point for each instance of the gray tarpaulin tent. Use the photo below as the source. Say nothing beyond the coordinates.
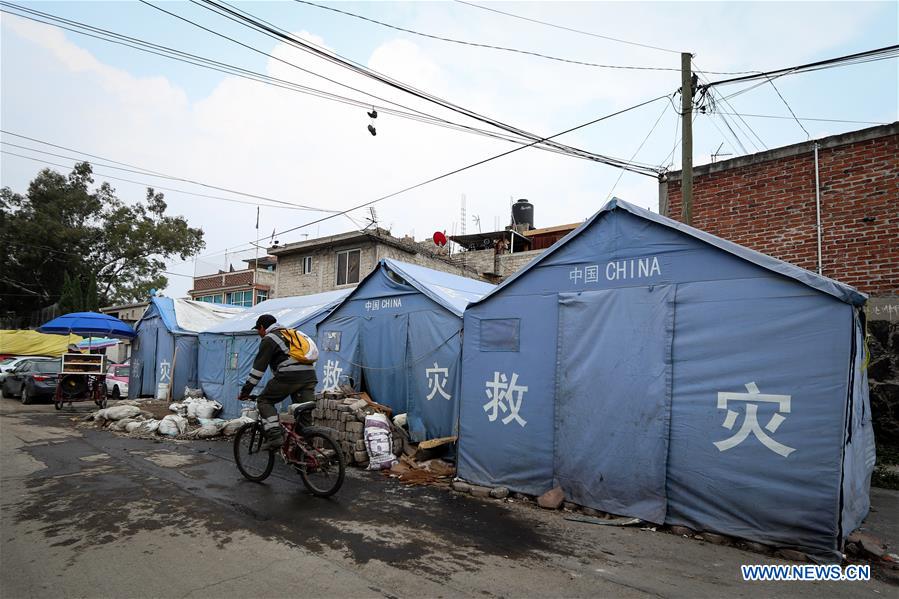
(169, 328)
(227, 350)
(656, 371)
(398, 336)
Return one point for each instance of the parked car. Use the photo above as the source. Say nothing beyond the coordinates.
(32, 379)
(7, 364)
(117, 380)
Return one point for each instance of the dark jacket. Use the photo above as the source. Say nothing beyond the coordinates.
(273, 353)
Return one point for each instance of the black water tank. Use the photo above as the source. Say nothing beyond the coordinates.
(523, 213)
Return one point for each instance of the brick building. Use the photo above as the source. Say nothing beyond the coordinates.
(769, 202)
(341, 261)
(246, 287)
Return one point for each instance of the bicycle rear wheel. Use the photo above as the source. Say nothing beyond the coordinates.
(322, 465)
(253, 462)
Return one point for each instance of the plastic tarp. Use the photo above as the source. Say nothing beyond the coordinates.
(398, 337)
(32, 343)
(227, 350)
(166, 348)
(659, 373)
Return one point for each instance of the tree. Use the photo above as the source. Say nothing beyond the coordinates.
(63, 242)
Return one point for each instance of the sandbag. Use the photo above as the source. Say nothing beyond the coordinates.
(133, 425)
(208, 409)
(148, 427)
(118, 412)
(122, 425)
(378, 442)
(172, 425)
(179, 408)
(193, 393)
(208, 430)
(232, 426)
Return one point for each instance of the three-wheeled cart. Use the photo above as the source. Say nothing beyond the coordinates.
(81, 378)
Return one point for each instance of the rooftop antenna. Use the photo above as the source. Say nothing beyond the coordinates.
(718, 153)
(372, 218)
(477, 221)
(464, 215)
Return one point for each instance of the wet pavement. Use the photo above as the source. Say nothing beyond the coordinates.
(88, 513)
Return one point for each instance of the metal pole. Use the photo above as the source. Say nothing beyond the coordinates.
(818, 210)
(687, 138)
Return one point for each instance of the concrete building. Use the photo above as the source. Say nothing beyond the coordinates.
(496, 255)
(246, 287)
(341, 261)
(130, 314)
(835, 212)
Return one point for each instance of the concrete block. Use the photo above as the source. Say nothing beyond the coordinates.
(499, 492)
(478, 491)
(461, 486)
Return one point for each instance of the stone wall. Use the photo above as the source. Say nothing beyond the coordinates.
(499, 267)
(291, 281)
(883, 368)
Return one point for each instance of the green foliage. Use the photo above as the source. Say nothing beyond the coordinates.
(63, 241)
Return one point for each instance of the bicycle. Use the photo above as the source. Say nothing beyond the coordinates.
(311, 450)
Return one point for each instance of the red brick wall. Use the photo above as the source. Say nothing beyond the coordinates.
(770, 207)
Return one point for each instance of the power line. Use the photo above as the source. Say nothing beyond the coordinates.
(640, 147)
(474, 164)
(712, 95)
(884, 53)
(802, 118)
(248, 20)
(144, 183)
(210, 64)
(569, 29)
(142, 171)
(487, 46)
(798, 122)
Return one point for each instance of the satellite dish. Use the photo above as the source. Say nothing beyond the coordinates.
(439, 239)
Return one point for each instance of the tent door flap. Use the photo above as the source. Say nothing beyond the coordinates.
(613, 399)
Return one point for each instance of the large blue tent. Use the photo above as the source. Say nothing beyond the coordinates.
(398, 336)
(165, 349)
(656, 371)
(227, 349)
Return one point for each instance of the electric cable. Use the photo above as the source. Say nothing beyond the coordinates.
(486, 46)
(637, 151)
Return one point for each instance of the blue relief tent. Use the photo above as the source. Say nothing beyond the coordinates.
(656, 371)
(165, 348)
(227, 349)
(398, 336)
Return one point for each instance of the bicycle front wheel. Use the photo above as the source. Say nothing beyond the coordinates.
(322, 465)
(253, 462)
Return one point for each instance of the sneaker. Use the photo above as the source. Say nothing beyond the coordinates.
(272, 442)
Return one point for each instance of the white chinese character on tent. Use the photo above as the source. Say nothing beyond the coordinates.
(437, 378)
(591, 274)
(751, 422)
(332, 372)
(576, 274)
(165, 371)
(505, 395)
(368, 305)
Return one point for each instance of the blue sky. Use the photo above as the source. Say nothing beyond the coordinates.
(176, 118)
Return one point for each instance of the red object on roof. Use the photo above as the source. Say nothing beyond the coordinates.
(440, 239)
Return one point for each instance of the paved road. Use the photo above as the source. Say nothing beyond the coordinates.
(86, 513)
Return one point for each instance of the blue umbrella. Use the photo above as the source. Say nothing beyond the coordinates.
(88, 324)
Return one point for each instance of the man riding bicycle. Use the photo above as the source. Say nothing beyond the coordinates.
(291, 356)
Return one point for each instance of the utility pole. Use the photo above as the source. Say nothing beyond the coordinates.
(686, 93)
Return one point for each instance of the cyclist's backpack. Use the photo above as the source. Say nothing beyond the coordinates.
(299, 347)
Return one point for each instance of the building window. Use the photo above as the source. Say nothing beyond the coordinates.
(261, 296)
(212, 299)
(348, 267)
(307, 265)
(241, 298)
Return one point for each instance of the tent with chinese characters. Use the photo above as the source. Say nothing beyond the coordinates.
(398, 336)
(165, 348)
(656, 371)
(227, 349)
